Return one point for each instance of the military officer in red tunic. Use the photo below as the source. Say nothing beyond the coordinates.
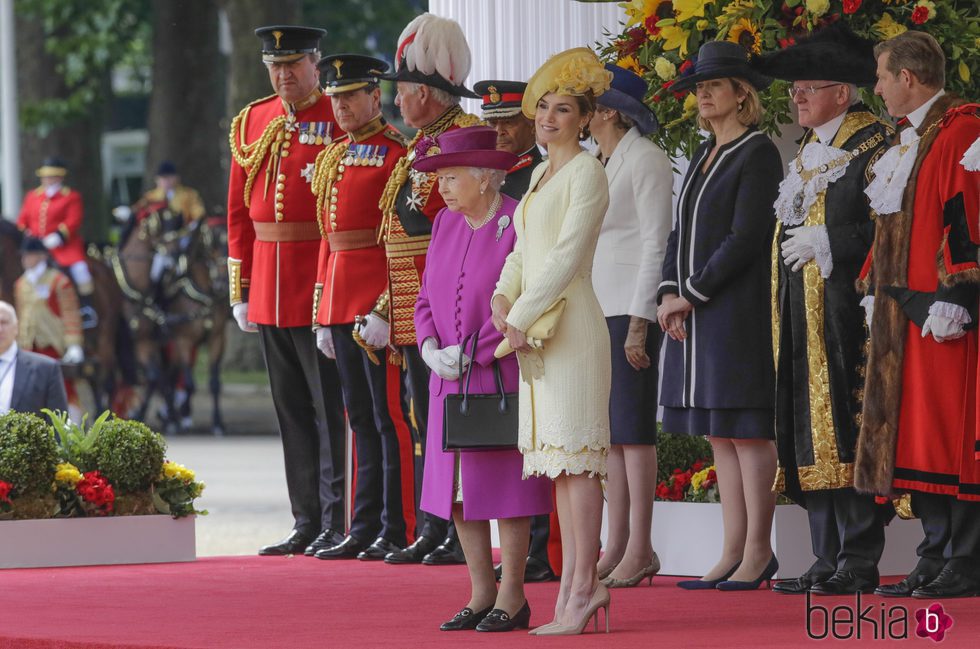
(273, 242)
(919, 432)
(349, 177)
(431, 63)
(53, 214)
(501, 109)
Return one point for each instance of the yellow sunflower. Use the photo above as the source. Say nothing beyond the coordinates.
(746, 33)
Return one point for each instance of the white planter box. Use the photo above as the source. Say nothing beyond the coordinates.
(96, 541)
(688, 540)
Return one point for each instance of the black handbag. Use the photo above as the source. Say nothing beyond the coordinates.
(479, 422)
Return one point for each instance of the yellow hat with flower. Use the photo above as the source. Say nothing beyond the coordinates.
(572, 72)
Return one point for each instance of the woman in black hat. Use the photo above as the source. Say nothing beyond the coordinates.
(715, 308)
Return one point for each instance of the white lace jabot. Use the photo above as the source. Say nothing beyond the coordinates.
(809, 174)
(892, 173)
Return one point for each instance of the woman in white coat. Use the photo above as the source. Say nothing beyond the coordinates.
(626, 273)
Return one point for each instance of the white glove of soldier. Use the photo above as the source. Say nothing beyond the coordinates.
(240, 313)
(324, 342)
(805, 243)
(374, 330)
(942, 328)
(73, 354)
(122, 213)
(868, 302)
(161, 262)
(434, 358)
(52, 241)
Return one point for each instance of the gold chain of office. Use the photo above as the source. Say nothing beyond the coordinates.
(808, 174)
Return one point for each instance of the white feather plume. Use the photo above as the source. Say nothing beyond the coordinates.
(439, 48)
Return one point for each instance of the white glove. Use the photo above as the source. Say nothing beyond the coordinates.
(161, 262)
(805, 243)
(374, 330)
(942, 328)
(73, 354)
(451, 356)
(868, 302)
(324, 342)
(122, 213)
(240, 313)
(52, 241)
(435, 359)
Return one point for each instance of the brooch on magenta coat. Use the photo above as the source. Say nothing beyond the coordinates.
(502, 224)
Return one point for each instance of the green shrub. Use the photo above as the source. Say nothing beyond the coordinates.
(680, 452)
(28, 453)
(128, 454)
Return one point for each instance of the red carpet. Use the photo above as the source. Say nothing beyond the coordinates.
(300, 603)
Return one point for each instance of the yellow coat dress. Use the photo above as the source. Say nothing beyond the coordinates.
(564, 412)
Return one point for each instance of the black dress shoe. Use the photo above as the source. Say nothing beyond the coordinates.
(347, 549)
(800, 585)
(327, 539)
(295, 543)
(948, 584)
(465, 620)
(905, 587)
(537, 570)
(499, 620)
(448, 554)
(846, 582)
(413, 553)
(378, 550)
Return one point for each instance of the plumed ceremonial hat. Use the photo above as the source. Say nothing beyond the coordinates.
(52, 166)
(719, 60)
(284, 43)
(573, 72)
(834, 53)
(433, 51)
(345, 72)
(501, 99)
(474, 146)
(626, 95)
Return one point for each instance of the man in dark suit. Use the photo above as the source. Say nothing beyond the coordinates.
(28, 381)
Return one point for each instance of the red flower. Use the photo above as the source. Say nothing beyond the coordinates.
(5, 489)
(631, 41)
(851, 6)
(96, 490)
(651, 24)
(697, 466)
(920, 15)
(655, 99)
(685, 66)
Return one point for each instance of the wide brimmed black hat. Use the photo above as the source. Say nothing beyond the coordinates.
(284, 43)
(834, 53)
(346, 72)
(32, 244)
(435, 80)
(625, 95)
(501, 99)
(719, 60)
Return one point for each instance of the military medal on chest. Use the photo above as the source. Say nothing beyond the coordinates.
(315, 132)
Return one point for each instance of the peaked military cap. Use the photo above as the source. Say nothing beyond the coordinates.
(501, 99)
(52, 166)
(345, 72)
(284, 43)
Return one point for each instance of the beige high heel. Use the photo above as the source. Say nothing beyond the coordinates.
(603, 574)
(648, 572)
(600, 599)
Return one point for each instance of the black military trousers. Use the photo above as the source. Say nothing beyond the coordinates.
(847, 531)
(378, 490)
(540, 532)
(416, 383)
(952, 534)
(306, 394)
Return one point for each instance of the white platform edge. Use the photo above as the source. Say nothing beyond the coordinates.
(96, 541)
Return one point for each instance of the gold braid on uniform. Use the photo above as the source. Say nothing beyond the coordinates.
(368, 349)
(250, 156)
(324, 176)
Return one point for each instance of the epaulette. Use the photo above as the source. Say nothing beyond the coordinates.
(465, 119)
(396, 135)
(65, 191)
(261, 100)
(522, 162)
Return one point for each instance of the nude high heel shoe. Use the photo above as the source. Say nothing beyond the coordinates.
(645, 573)
(600, 599)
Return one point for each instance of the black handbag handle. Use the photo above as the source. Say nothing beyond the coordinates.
(465, 387)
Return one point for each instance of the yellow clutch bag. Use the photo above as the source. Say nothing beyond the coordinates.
(540, 330)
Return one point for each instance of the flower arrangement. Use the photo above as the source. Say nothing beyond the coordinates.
(661, 38)
(697, 484)
(175, 490)
(5, 503)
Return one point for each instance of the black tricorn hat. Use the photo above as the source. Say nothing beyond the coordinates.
(834, 53)
(32, 244)
(284, 43)
(501, 99)
(346, 72)
(718, 60)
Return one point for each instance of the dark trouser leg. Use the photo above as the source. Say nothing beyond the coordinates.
(937, 528)
(540, 528)
(862, 531)
(824, 536)
(964, 542)
(314, 472)
(416, 378)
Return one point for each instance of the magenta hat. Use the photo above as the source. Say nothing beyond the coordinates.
(474, 146)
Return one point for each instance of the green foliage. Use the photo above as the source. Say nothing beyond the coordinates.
(369, 27)
(680, 452)
(128, 454)
(76, 441)
(28, 453)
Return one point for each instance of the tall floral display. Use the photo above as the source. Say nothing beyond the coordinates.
(661, 38)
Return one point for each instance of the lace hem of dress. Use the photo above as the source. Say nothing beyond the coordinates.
(552, 461)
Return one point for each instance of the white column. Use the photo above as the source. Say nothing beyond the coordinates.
(9, 138)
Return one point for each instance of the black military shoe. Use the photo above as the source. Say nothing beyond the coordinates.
(295, 543)
(378, 550)
(846, 582)
(905, 587)
(413, 553)
(327, 539)
(537, 570)
(447, 554)
(800, 585)
(348, 549)
(948, 584)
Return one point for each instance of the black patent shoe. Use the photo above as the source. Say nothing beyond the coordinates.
(378, 550)
(707, 584)
(448, 554)
(413, 553)
(846, 582)
(327, 539)
(767, 573)
(348, 549)
(465, 620)
(537, 570)
(499, 620)
(800, 585)
(948, 584)
(295, 543)
(905, 587)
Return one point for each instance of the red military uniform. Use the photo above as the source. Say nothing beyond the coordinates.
(273, 238)
(351, 270)
(410, 203)
(42, 215)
